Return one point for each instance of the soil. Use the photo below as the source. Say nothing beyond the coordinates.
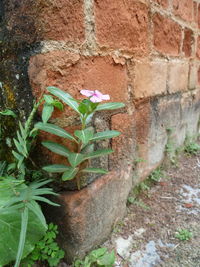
(147, 235)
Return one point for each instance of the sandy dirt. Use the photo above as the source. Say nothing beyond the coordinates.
(146, 237)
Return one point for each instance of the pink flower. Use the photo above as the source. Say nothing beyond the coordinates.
(95, 96)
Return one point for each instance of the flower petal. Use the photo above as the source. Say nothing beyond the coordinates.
(95, 99)
(98, 93)
(87, 93)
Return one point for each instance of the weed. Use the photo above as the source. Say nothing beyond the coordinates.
(139, 203)
(46, 250)
(183, 235)
(138, 160)
(192, 148)
(170, 146)
(156, 175)
(117, 227)
(99, 257)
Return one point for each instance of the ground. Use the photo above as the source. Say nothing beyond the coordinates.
(147, 235)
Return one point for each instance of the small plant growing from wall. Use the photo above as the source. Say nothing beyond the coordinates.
(78, 161)
(22, 221)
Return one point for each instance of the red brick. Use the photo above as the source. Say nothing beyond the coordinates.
(198, 47)
(183, 9)
(167, 35)
(122, 24)
(163, 3)
(198, 16)
(71, 73)
(150, 78)
(62, 20)
(195, 12)
(30, 20)
(188, 42)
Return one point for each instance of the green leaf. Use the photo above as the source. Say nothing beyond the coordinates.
(110, 106)
(56, 168)
(20, 148)
(75, 159)
(107, 260)
(65, 97)
(19, 157)
(98, 252)
(23, 131)
(48, 99)
(95, 170)
(56, 148)
(83, 108)
(10, 226)
(54, 129)
(105, 135)
(35, 208)
(84, 135)
(47, 112)
(22, 239)
(58, 105)
(98, 153)
(70, 174)
(8, 112)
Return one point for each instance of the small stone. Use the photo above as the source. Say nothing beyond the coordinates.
(123, 246)
(188, 205)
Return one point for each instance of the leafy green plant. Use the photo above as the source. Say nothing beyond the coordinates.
(22, 221)
(183, 234)
(83, 139)
(139, 160)
(156, 175)
(99, 257)
(191, 147)
(8, 112)
(170, 146)
(138, 202)
(46, 250)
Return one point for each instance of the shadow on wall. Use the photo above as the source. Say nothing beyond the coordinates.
(18, 40)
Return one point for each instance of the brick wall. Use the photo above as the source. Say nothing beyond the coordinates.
(145, 53)
(138, 51)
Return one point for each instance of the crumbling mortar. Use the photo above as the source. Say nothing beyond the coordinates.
(169, 14)
(90, 43)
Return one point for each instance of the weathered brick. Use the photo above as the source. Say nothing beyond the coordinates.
(163, 3)
(198, 47)
(183, 9)
(167, 35)
(122, 24)
(178, 76)
(188, 42)
(71, 73)
(21, 20)
(193, 75)
(62, 20)
(142, 118)
(150, 78)
(31, 21)
(123, 145)
(198, 75)
(86, 217)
